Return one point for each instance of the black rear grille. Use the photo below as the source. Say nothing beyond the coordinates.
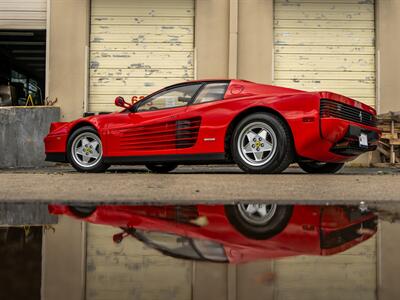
(340, 237)
(330, 108)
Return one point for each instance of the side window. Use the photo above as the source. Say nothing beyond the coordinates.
(211, 92)
(174, 97)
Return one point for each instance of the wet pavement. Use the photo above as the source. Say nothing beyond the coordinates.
(255, 251)
(223, 184)
(202, 232)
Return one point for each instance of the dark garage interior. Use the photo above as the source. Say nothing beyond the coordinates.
(22, 67)
(21, 257)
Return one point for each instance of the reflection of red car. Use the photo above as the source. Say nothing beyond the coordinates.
(260, 127)
(235, 233)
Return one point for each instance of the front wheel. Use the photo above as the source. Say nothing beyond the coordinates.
(82, 211)
(85, 150)
(315, 167)
(161, 168)
(262, 143)
(259, 221)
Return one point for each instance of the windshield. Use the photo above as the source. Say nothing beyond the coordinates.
(181, 246)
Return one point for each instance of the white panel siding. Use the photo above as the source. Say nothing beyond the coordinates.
(23, 14)
(349, 275)
(130, 270)
(326, 45)
(137, 47)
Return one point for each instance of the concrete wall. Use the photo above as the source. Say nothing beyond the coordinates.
(68, 28)
(388, 59)
(25, 214)
(21, 135)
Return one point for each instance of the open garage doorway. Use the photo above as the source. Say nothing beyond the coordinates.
(22, 67)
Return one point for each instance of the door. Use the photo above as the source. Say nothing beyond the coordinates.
(156, 125)
(208, 105)
(326, 45)
(23, 14)
(138, 47)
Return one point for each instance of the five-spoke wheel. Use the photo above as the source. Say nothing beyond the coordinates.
(257, 214)
(257, 143)
(85, 150)
(261, 143)
(259, 220)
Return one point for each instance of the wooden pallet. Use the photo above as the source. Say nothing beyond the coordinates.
(389, 144)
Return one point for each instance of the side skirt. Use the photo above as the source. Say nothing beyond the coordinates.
(182, 159)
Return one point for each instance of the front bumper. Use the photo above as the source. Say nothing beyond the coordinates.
(56, 157)
(55, 147)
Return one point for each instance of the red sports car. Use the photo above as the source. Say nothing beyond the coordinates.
(235, 233)
(260, 127)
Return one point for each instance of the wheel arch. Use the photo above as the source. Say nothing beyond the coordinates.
(81, 124)
(245, 113)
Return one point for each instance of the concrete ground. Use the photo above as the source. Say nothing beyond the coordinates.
(197, 184)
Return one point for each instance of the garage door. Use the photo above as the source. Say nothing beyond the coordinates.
(23, 14)
(137, 47)
(329, 277)
(326, 45)
(130, 270)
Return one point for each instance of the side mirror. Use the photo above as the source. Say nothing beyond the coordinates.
(184, 99)
(120, 101)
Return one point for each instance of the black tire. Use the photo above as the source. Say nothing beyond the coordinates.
(82, 211)
(274, 226)
(284, 152)
(320, 168)
(100, 166)
(161, 168)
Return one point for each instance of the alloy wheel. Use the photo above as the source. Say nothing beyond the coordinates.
(257, 143)
(257, 214)
(87, 149)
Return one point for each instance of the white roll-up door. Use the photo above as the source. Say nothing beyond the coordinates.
(137, 47)
(326, 45)
(350, 275)
(131, 270)
(23, 14)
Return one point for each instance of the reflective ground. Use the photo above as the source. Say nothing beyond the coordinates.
(242, 251)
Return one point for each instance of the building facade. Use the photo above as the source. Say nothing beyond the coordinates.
(99, 49)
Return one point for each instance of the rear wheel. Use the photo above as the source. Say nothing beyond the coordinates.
(259, 220)
(315, 167)
(161, 168)
(262, 143)
(85, 150)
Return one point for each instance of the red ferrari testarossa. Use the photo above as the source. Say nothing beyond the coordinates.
(262, 128)
(234, 233)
